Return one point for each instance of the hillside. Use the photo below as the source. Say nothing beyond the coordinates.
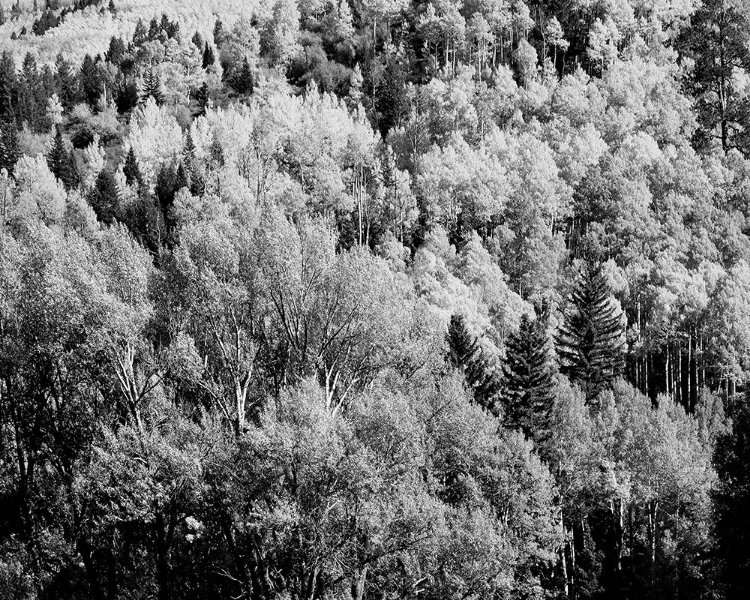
(375, 299)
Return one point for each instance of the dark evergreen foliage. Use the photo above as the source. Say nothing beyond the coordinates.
(591, 342)
(242, 81)
(130, 169)
(151, 87)
(732, 504)
(61, 162)
(9, 151)
(482, 374)
(202, 98)
(104, 197)
(208, 56)
(528, 382)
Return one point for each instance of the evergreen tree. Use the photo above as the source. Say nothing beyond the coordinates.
(112, 8)
(9, 150)
(104, 197)
(154, 29)
(140, 35)
(202, 97)
(242, 81)
(182, 179)
(482, 376)
(8, 85)
(91, 84)
(208, 56)
(58, 159)
(528, 384)
(130, 169)
(731, 499)
(151, 87)
(218, 32)
(591, 342)
(66, 82)
(197, 40)
(116, 51)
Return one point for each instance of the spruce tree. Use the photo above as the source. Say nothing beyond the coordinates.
(91, 85)
(202, 98)
(208, 56)
(528, 383)
(104, 197)
(9, 150)
(197, 40)
(59, 161)
(218, 32)
(151, 87)
(66, 81)
(140, 35)
(465, 353)
(130, 169)
(242, 81)
(591, 342)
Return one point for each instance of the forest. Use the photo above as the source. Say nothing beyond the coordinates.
(375, 300)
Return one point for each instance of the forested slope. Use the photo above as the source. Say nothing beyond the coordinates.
(374, 299)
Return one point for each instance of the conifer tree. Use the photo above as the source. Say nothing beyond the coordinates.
(59, 161)
(464, 352)
(218, 32)
(242, 82)
(528, 385)
(202, 98)
(208, 56)
(104, 197)
(140, 35)
(66, 81)
(9, 151)
(151, 87)
(130, 169)
(197, 40)
(90, 81)
(591, 342)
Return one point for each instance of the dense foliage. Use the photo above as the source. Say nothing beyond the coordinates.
(358, 299)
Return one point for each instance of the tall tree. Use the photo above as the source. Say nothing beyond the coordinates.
(152, 87)
(481, 373)
(718, 40)
(60, 163)
(591, 341)
(528, 384)
(130, 169)
(104, 197)
(731, 500)
(9, 150)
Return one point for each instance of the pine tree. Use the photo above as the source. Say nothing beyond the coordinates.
(140, 36)
(528, 383)
(208, 56)
(197, 40)
(202, 98)
(130, 169)
(218, 32)
(91, 85)
(182, 179)
(464, 352)
(151, 87)
(242, 82)
(104, 197)
(58, 159)
(591, 342)
(66, 81)
(8, 85)
(731, 502)
(9, 150)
